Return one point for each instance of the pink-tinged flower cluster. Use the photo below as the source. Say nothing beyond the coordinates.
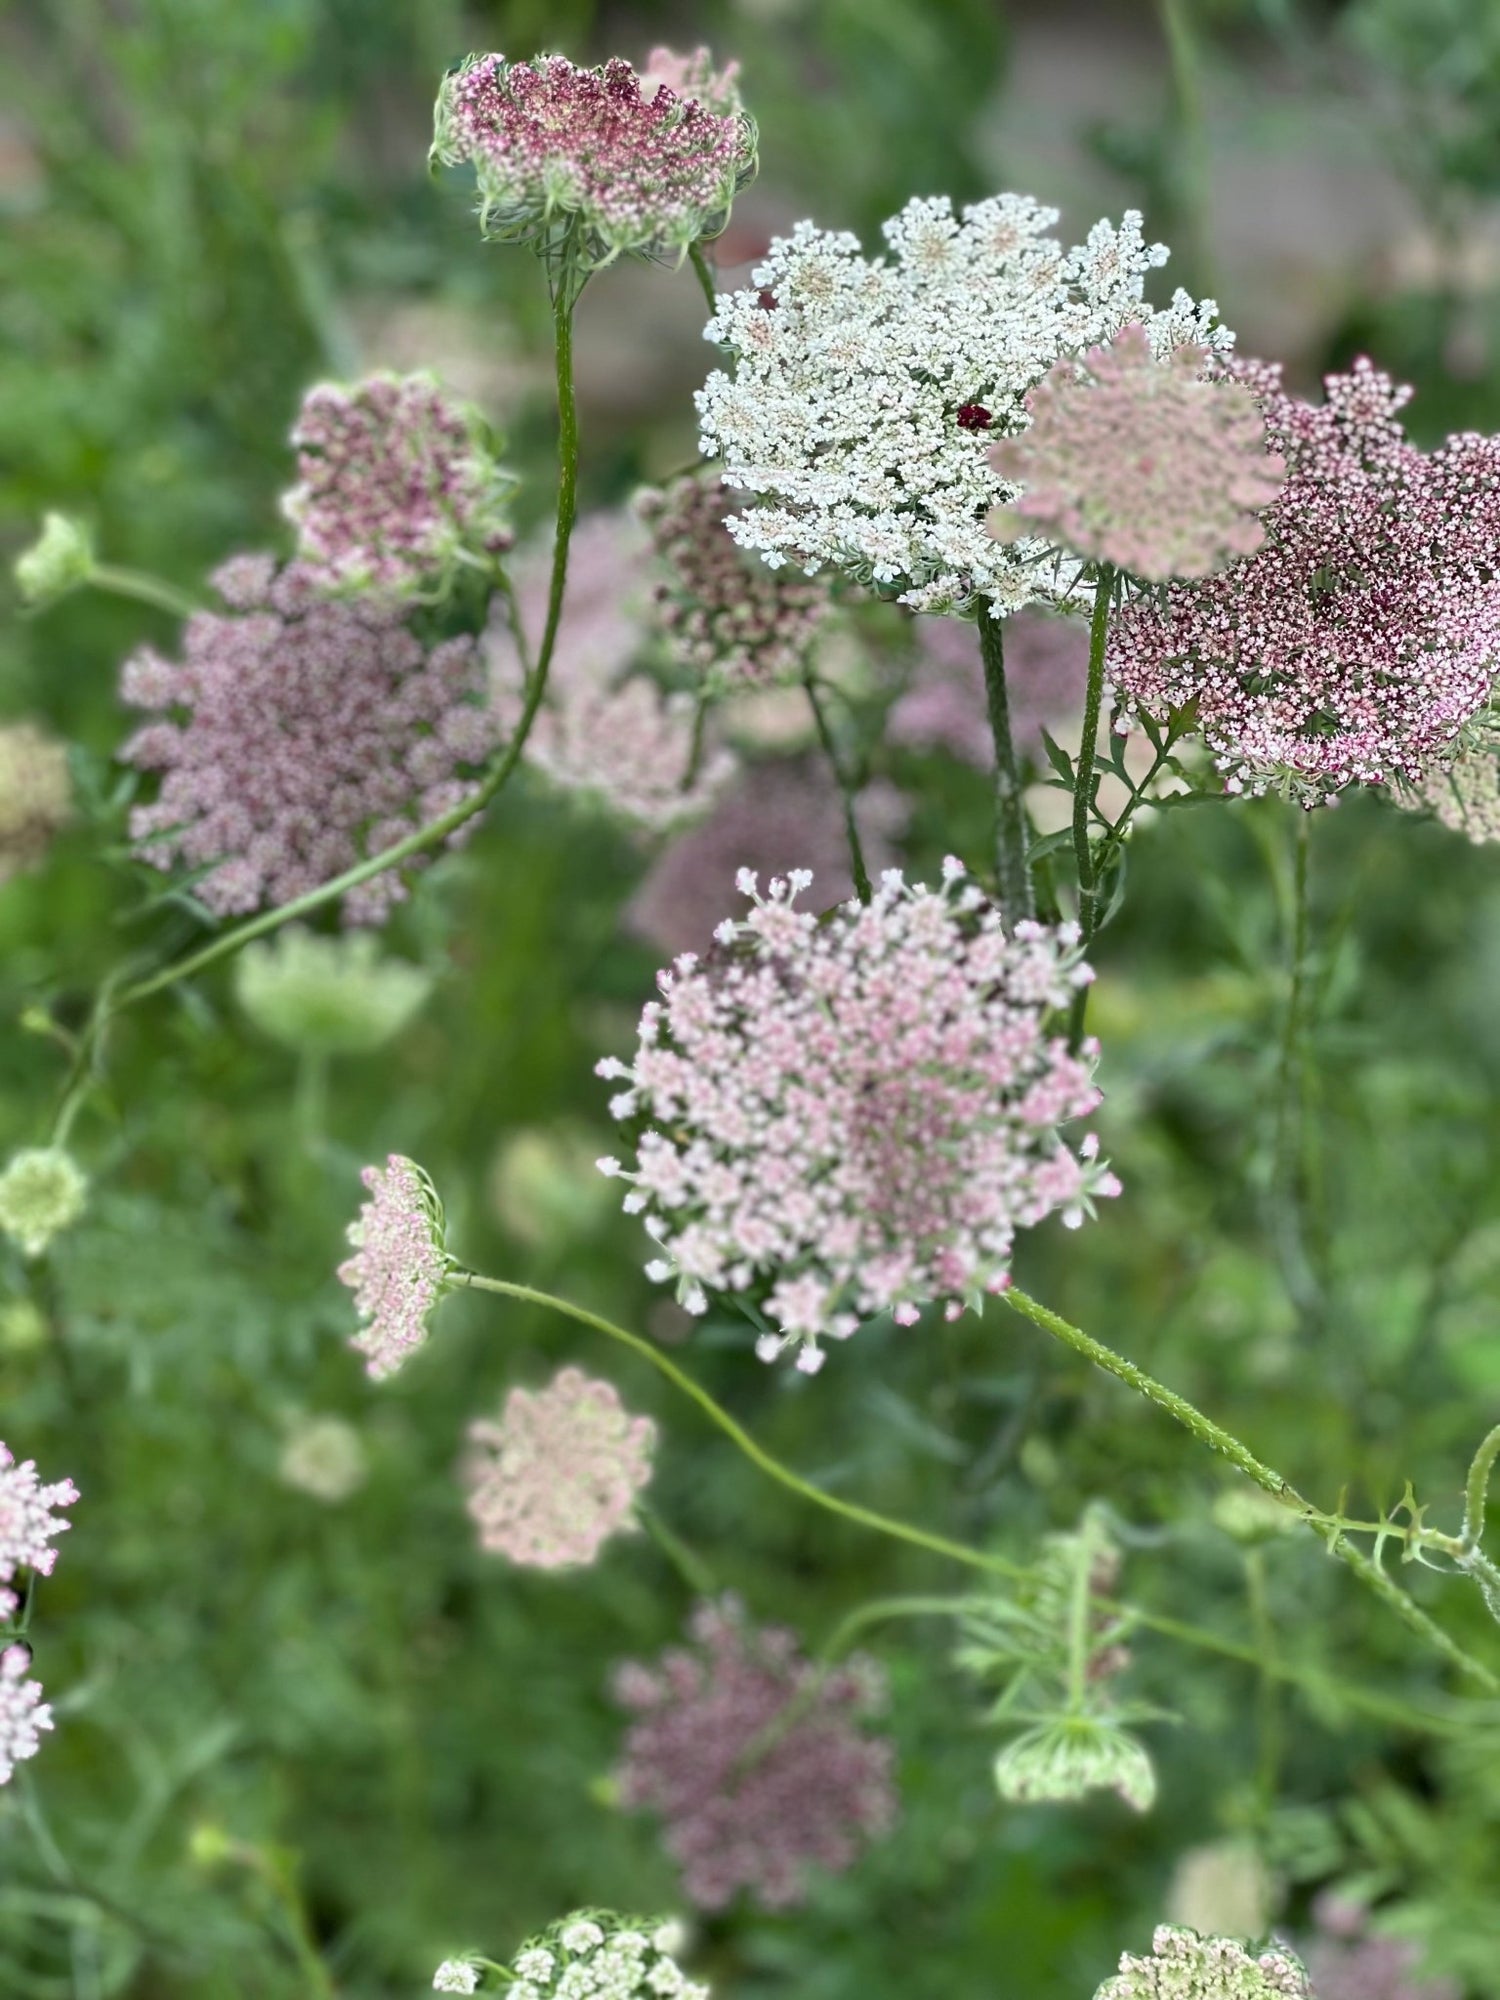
(728, 618)
(559, 1473)
(854, 1117)
(1464, 792)
(1355, 646)
(27, 1523)
(602, 160)
(396, 486)
(23, 1713)
(400, 1266)
(945, 708)
(775, 817)
(1345, 1963)
(1145, 464)
(755, 1760)
(297, 737)
(606, 730)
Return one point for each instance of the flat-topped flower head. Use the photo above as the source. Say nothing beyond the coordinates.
(28, 1525)
(23, 1713)
(397, 485)
(733, 623)
(1463, 792)
(559, 1473)
(327, 995)
(756, 1761)
(1184, 1966)
(400, 1266)
(601, 1953)
(598, 162)
(853, 1117)
(1146, 464)
(456, 1975)
(298, 736)
(1359, 644)
(36, 795)
(866, 394)
(42, 1192)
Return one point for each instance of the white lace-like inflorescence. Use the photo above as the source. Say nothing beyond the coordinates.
(597, 1955)
(867, 394)
(27, 1523)
(36, 795)
(23, 1713)
(400, 1264)
(456, 1975)
(854, 1117)
(1184, 1966)
(559, 1473)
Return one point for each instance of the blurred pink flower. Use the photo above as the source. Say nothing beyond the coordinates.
(23, 1713)
(27, 1522)
(1046, 665)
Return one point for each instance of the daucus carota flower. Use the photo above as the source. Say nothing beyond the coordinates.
(1359, 641)
(42, 1192)
(325, 1458)
(297, 737)
(1063, 1760)
(61, 558)
(327, 995)
(867, 394)
(23, 1713)
(456, 1975)
(36, 795)
(397, 484)
(854, 1117)
(1346, 1963)
(945, 707)
(600, 1953)
(1145, 464)
(729, 620)
(1184, 1966)
(28, 1524)
(1463, 792)
(598, 161)
(756, 1762)
(559, 1473)
(400, 1266)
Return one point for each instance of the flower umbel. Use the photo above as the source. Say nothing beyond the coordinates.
(23, 1713)
(456, 1975)
(27, 1523)
(1463, 792)
(559, 1473)
(400, 1267)
(1184, 1966)
(599, 1953)
(42, 1192)
(36, 795)
(854, 1117)
(329, 996)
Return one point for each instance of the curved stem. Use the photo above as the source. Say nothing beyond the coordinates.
(135, 583)
(846, 791)
(1012, 865)
(690, 1566)
(704, 276)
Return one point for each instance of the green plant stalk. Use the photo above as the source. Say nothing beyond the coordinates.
(144, 589)
(1288, 1178)
(1477, 1491)
(704, 276)
(690, 1566)
(861, 873)
(1012, 844)
(1083, 776)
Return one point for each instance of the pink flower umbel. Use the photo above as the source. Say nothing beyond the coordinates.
(603, 159)
(1361, 639)
(854, 1117)
(400, 1265)
(1138, 462)
(559, 1473)
(27, 1523)
(1464, 792)
(397, 486)
(756, 1763)
(299, 736)
(23, 1713)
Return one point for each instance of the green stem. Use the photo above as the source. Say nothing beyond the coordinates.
(1288, 1197)
(705, 276)
(1083, 786)
(690, 1566)
(144, 589)
(1012, 864)
(1476, 1492)
(1182, 49)
(1268, 1711)
(830, 750)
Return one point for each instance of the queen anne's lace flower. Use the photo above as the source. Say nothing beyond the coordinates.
(1363, 637)
(36, 795)
(559, 1473)
(396, 485)
(608, 160)
(1464, 793)
(1138, 462)
(755, 1760)
(854, 1117)
(400, 1267)
(327, 995)
(23, 1713)
(866, 395)
(1184, 1966)
(456, 1975)
(42, 1193)
(599, 1955)
(59, 560)
(324, 1457)
(299, 736)
(27, 1523)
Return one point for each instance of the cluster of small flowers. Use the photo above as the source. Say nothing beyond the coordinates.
(945, 708)
(605, 730)
(1142, 463)
(1361, 639)
(36, 795)
(396, 485)
(754, 1759)
(327, 995)
(559, 1473)
(23, 1714)
(59, 560)
(400, 1266)
(1184, 1966)
(325, 1458)
(313, 734)
(1347, 1964)
(591, 1955)
(867, 394)
(730, 620)
(27, 1523)
(610, 161)
(42, 1193)
(1464, 793)
(854, 1117)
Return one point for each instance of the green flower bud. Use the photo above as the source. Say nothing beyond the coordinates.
(59, 560)
(1070, 1756)
(41, 1193)
(331, 996)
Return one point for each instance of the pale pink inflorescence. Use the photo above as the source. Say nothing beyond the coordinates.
(400, 1265)
(559, 1473)
(1464, 792)
(1359, 642)
(854, 1117)
(745, 1805)
(1345, 1963)
(944, 708)
(396, 485)
(731, 621)
(622, 163)
(27, 1523)
(297, 737)
(1150, 465)
(23, 1713)
(606, 730)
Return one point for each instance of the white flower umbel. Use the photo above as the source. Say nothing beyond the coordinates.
(867, 393)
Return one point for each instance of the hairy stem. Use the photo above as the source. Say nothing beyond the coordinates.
(840, 778)
(1476, 1492)
(1012, 864)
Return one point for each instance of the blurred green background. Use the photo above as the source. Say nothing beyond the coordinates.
(207, 206)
